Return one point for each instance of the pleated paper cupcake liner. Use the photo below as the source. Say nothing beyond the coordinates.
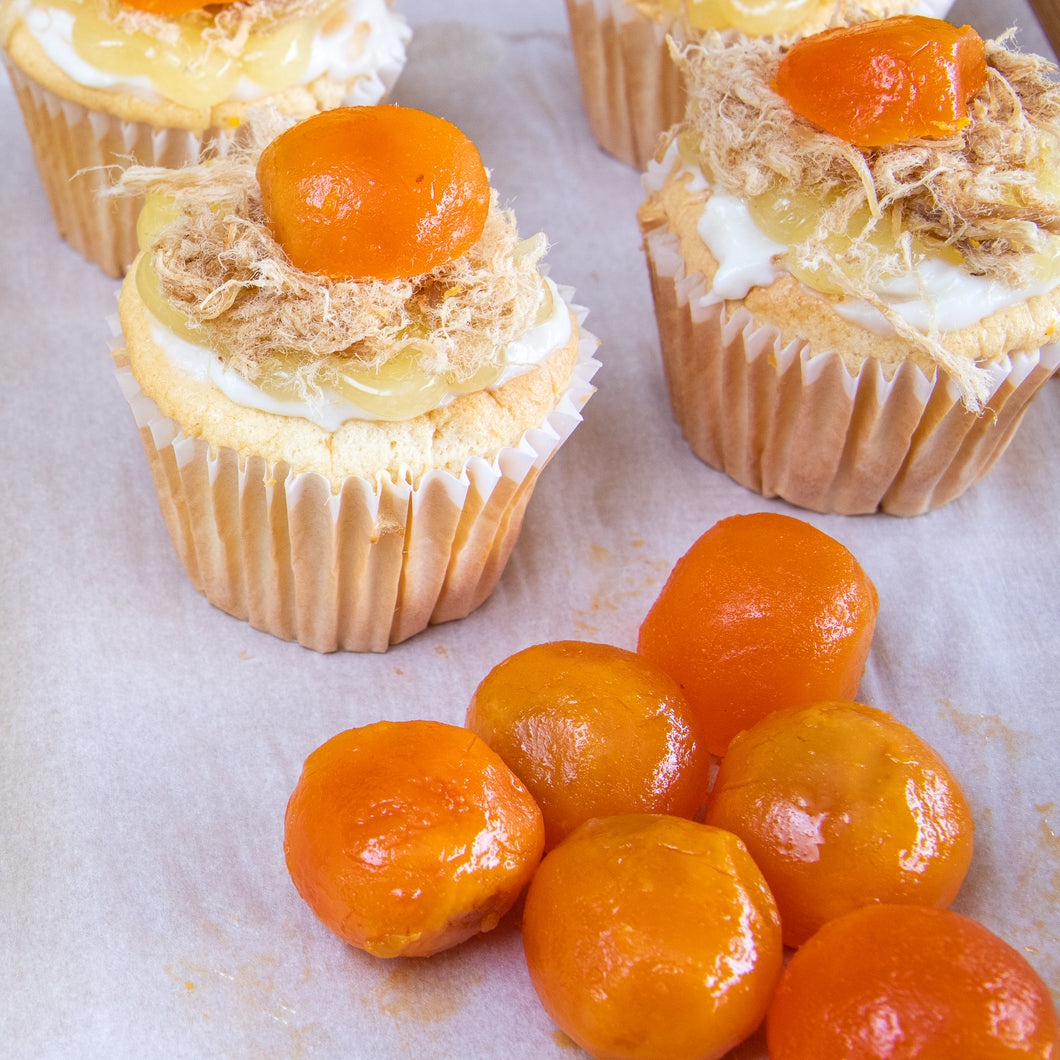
(358, 568)
(78, 150)
(631, 89)
(789, 422)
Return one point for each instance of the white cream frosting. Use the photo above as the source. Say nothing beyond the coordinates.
(329, 410)
(340, 55)
(934, 294)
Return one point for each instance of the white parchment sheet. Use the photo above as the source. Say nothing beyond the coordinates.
(149, 743)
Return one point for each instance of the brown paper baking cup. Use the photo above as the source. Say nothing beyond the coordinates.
(631, 89)
(789, 423)
(77, 151)
(358, 569)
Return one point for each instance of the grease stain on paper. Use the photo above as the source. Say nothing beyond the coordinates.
(1042, 870)
(1024, 867)
(425, 993)
(620, 577)
(990, 727)
(250, 981)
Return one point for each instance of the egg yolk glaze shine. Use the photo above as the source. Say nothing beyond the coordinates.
(763, 612)
(650, 937)
(406, 838)
(380, 192)
(886, 81)
(841, 805)
(592, 731)
(904, 982)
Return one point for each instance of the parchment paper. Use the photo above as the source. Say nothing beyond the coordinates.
(149, 743)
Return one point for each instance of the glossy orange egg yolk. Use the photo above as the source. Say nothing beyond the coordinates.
(901, 982)
(592, 730)
(406, 838)
(650, 937)
(842, 805)
(373, 192)
(883, 82)
(173, 7)
(764, 611)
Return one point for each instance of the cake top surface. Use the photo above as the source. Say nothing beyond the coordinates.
(226, 27)
(988, 189)
(220, 266)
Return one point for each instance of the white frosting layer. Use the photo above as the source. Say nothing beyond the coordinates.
(376, 61)
(329, 410)
(934, 294)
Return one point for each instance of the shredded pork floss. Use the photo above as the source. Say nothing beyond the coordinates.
(219, 265)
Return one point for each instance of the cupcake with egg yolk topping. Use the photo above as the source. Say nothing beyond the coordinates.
(344, 432)
(107, 83)
(854, 316)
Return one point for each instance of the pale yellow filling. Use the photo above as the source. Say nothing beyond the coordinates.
(400, 389)
(754, 17)
(791, 216)
(181, 69)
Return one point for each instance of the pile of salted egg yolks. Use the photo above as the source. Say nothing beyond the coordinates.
(657, 911)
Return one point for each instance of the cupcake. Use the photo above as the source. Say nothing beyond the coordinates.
(345, 402)
(857, 326)
(631, 87)
(106, 83)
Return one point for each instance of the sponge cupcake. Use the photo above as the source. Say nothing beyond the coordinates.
(343, 460)
(854, 327)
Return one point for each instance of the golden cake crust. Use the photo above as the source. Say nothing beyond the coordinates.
(478, 424)
(802, 313)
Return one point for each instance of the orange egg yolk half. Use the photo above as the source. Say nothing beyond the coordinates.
(887, 81)
(373, 192)
(173, 7)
